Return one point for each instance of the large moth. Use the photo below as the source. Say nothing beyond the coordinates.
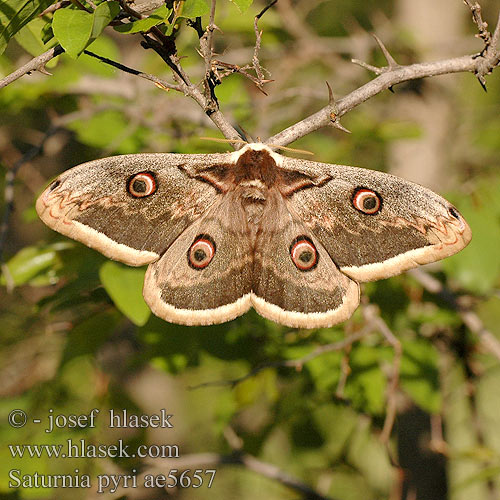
(252, 228)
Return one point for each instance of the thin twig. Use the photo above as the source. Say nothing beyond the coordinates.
(54, 7)
(293, 363)
(81, 6)
(169, 55)
(482, 26)
(390, 415)
(258, 38)
(479, 64)
(158, 81)
(36, 64)
(10, 177)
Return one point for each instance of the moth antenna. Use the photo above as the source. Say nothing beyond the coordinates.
(241, 141)
(219, 139)
(292, 150)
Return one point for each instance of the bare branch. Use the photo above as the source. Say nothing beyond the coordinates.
(479, 64)
(258, 38)
(158, 81)
(384, 81)
(482, 26)
(36, 64)
(390, 416)
(54, 7)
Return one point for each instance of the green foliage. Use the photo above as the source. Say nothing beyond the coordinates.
(419, 374)
(14, 14)
(75, 333)
(477, 267)
(35, 265)
(76, 29)
(160, 15)
(242, 5)
(194, 8)
(124, 286)
(30, 37)
(73, 29)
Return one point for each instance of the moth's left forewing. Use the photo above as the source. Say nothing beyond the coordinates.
(412, 226)
(96, 202)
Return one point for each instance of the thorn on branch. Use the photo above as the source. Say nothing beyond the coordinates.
(482, 81)
(392, 64)
(41, 69)
(335, 121)
(331, 99)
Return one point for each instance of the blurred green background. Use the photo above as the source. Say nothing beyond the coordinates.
(75, 333)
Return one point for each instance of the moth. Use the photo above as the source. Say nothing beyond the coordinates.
(225, 232)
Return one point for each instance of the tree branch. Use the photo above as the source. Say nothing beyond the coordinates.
(479, 64)
(322, 118)
(36, 64)
(158, 81)
(169, 55)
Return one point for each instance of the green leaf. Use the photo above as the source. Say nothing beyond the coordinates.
(47, 33)
(477, 267)
(194, 8)
(419, 374)
(30, 262)
(87, 336)
(158, 16)
(30, 38)
(124, 286)
(103, 15)
(73, 29)
(366, 384)
(14, 14)
(242, 4)
(263, 384)
(105, 129)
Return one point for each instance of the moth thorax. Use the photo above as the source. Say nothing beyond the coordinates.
(253, 190)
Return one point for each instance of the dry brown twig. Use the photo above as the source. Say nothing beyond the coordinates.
(223, 69)
(480, 64)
